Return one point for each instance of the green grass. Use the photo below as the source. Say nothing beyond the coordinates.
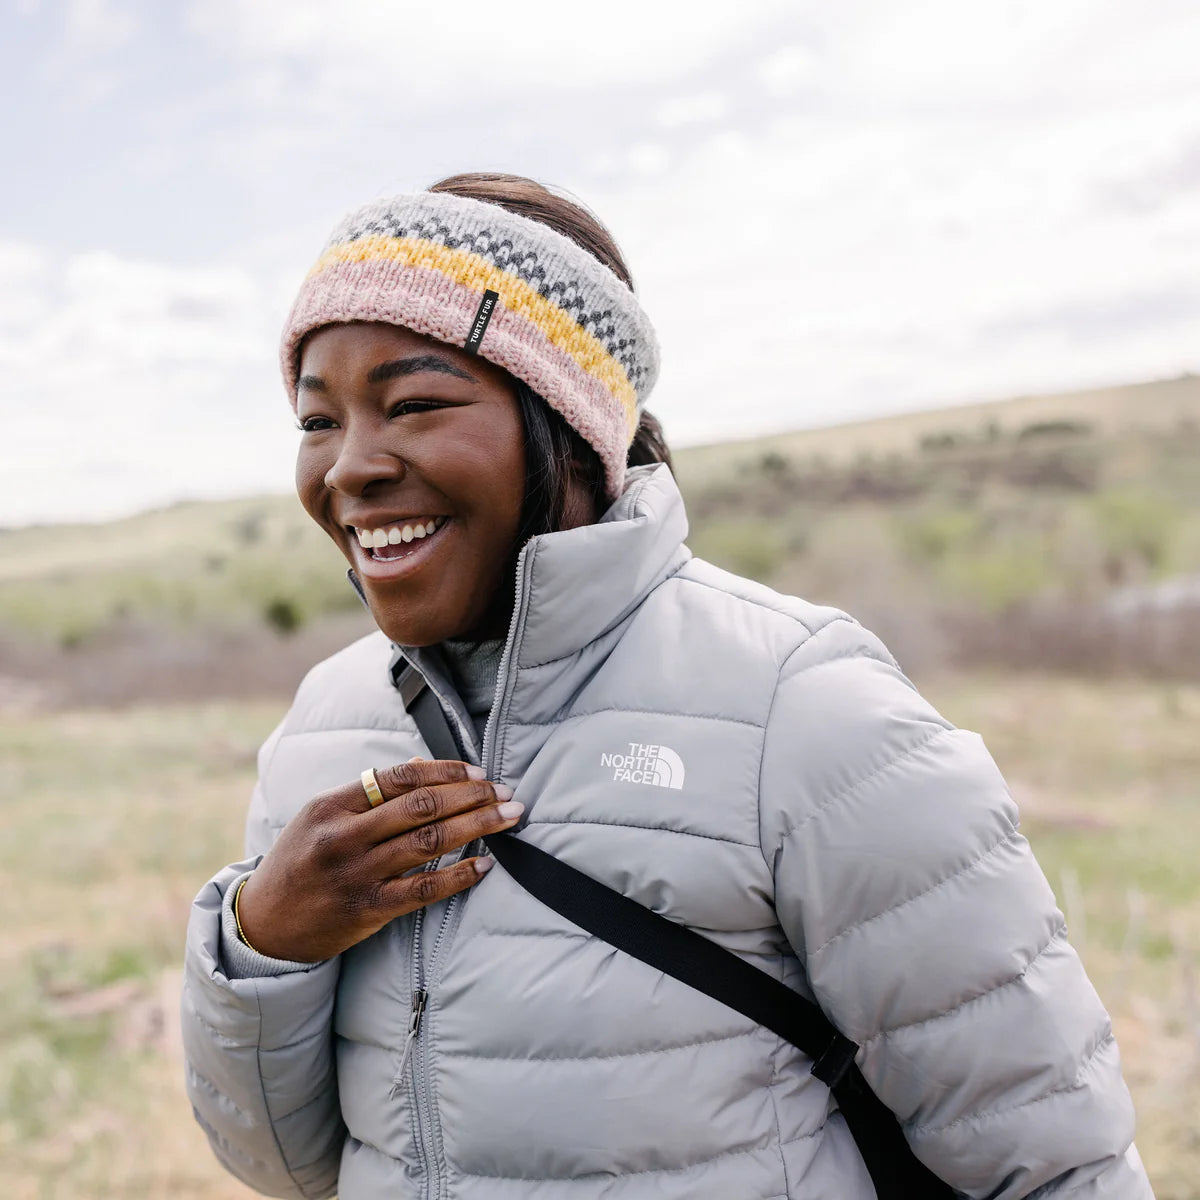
(109, 823)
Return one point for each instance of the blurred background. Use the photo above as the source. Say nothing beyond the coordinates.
(927, 280)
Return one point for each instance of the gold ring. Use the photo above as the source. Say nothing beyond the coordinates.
(371, 787)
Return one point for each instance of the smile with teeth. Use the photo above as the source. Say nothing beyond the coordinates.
(382, 543)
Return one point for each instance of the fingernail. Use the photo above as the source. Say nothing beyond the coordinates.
(510, 809)
(416, 758)
(484, 865)
(474, 772)
(503, 791)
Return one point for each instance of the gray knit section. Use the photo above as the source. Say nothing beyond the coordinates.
(562, 272)
(473, 667)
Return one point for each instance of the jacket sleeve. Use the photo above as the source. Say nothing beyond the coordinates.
(931, 937)
(258, 1044)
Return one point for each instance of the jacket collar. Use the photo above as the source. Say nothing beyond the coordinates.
(575, 585)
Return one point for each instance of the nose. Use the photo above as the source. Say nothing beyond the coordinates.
(361, 462)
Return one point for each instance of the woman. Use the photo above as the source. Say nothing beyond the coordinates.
(368, 1009)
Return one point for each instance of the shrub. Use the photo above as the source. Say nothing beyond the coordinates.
(283, 615)
(1060, 428)
(931, 537)
(249, 529)
(1136, 525)
(939, 441)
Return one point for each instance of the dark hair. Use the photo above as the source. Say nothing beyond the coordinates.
(554, 452)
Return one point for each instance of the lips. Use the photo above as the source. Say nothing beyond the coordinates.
(391, 550)
(395, 533)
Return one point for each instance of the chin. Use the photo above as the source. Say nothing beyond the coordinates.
(408, 629)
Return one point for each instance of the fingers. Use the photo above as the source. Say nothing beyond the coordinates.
(399, 778)
(400, 896)
(428, 803)
(423, 772)
(427, 842)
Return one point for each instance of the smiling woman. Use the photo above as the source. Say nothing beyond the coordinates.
(370, 1008)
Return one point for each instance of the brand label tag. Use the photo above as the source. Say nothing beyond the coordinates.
(482, 316)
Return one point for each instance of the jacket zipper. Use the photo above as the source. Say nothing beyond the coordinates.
(423, 1110)
(500, 702)
(420, 997)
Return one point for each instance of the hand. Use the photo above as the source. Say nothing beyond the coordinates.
(337, 872)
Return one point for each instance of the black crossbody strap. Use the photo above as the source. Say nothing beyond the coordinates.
(677, 951)
(424, 708)
(685, 955)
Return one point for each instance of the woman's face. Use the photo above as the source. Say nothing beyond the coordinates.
(416, 449)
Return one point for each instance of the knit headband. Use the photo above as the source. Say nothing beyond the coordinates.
(509, 288)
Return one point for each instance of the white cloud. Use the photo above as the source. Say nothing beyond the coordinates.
(697, 108)
(648, 158)
(484, 45)
(97, 26)
(24, 273)
(830, 213)
(844, 260)
(787, 69)
(138, 382)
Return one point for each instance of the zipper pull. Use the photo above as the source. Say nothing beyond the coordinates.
(419, 1000)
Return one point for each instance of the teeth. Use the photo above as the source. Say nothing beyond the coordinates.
(396, 534)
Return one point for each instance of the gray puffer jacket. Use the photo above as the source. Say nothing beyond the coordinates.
(750, 765)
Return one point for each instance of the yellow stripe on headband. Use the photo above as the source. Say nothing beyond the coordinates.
(475, 272)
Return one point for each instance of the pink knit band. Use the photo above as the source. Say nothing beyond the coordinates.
(520, 294)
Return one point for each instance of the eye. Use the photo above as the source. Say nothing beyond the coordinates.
(405, 407)
(314, 424)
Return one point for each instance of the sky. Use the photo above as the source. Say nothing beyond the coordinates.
(831, 211)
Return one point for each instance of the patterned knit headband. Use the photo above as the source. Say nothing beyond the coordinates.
(507, 287)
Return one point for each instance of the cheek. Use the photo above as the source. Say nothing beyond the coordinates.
(310, 478)
(509, 455)
(489, 466)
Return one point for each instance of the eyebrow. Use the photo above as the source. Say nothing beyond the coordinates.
(396, 369)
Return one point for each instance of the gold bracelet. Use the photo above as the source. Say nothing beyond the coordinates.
(237, 920)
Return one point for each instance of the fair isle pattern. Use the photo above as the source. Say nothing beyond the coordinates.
(565, 324)
(562, 289)
(515, 295)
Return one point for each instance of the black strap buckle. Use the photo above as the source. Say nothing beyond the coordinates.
(406, 679)
(835, 1060)
(410, 685)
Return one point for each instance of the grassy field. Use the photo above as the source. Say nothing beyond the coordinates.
(963, 536)
(950, 532)
(109, 823)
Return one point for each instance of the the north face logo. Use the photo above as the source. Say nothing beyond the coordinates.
(659, 765)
